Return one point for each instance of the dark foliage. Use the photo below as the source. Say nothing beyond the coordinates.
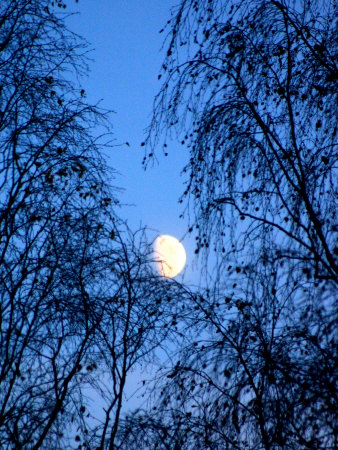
(79, 303)
(251, 90)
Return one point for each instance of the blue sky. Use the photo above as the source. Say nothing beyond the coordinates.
(127, 58)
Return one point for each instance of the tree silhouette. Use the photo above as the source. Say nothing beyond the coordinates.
(79, 303)
(251, 89)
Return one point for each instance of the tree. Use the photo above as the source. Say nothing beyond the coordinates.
(251, 87)
(79, 303)
(135, 322)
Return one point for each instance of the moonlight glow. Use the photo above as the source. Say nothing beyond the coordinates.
(170, 256)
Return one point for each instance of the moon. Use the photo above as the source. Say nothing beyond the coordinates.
(170, 256)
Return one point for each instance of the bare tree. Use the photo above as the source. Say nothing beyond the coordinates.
(135, 322)
(79, 303)
(251, 89)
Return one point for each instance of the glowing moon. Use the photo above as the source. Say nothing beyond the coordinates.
(170, 255)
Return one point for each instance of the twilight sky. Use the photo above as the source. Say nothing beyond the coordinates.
(127, 57)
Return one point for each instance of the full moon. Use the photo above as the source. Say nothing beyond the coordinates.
(170, 256)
